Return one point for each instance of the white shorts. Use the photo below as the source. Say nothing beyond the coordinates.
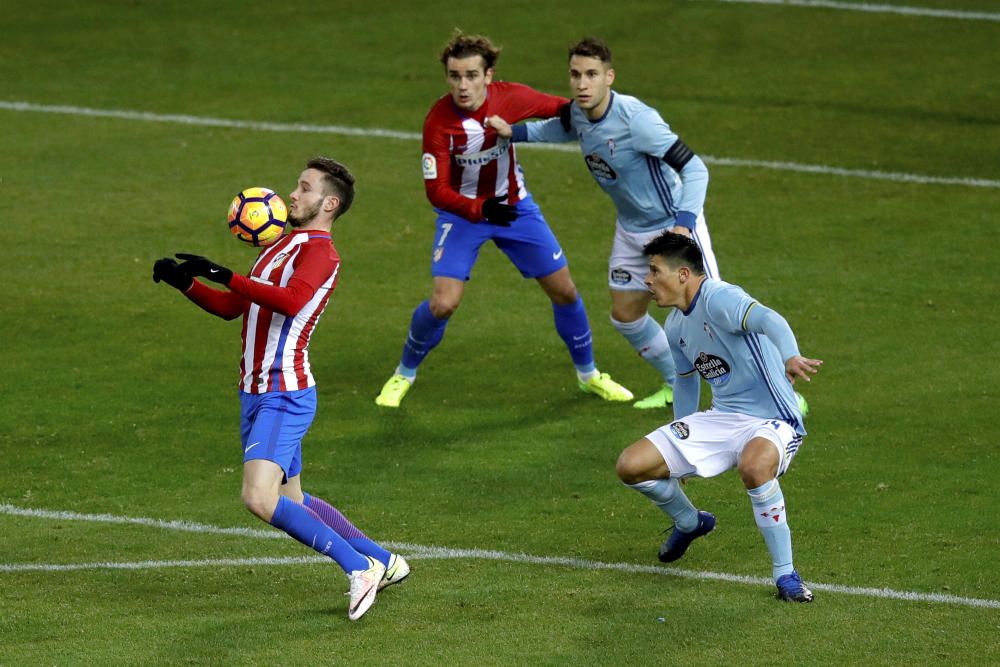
(706, 444)
(628, 266)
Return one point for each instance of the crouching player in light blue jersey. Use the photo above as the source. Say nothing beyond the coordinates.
(748, 355)
(655, 181)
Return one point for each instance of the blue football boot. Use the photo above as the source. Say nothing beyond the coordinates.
(679, 541)
(791, 588)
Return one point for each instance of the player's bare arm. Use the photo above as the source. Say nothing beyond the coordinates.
(801, 367)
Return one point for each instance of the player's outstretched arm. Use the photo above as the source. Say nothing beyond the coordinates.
(169, 271)
(196, 265)
(221, 303)
(801, 367)
(554, 130)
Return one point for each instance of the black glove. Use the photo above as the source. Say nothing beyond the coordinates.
(171, 273)
(196, 265)
(564, 120)
(496, 213)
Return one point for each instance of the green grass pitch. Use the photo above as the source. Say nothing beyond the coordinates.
(119, 396)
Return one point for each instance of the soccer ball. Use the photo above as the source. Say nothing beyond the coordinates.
(257, 216)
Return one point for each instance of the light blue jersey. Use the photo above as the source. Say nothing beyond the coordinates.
(733, 342)
(624, 152)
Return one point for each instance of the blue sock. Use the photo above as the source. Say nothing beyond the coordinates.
(305, 525)
(426, 331)
(668, 496)
(333, 517)
(574, 328)
(768, 504)
(647, 337)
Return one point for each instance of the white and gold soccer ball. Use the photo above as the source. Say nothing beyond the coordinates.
(257, 216)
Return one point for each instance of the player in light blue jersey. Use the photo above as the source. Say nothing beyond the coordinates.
(655, 181)
(748, 355)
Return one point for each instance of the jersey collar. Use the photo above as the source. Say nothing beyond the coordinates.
(313, 233)
(694, 301)
(611, 103)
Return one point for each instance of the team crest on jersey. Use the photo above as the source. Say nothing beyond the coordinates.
(611, 147)
(681, 430)
(714, 369)
(620, 277)
(279, 260)
(708, 330)
(601, 170)
(430, 167)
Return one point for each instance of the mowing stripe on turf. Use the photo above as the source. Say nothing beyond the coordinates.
(304, 128)
(418, 551)
(963, 14)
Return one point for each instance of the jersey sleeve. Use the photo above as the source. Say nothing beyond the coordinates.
(313, 267)
(694, 177)
(653, 136)
(687, 392)
(687, 385)
(547, 131)
(227, 305)
(761, 319)
(728, 307)
(436, 164)
(520, 102)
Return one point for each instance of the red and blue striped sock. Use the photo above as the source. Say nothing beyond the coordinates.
(305, 526)
(332, 517)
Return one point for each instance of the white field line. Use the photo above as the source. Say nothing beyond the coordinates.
(304, 128)
(417, 551)
(962, 14)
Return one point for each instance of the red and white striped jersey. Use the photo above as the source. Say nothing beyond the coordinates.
(281, 301)
(464, 163)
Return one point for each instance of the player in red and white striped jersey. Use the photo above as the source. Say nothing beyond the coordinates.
(281, 301)
(469, 174)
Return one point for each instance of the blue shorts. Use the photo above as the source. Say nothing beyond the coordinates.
(528, 243)
(273, 424)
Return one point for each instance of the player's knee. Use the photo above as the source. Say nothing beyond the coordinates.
(563, 293)
(622, 314)
(755, 471)
(444, 307)
(627, 468)
(259, 502)
(565, 297)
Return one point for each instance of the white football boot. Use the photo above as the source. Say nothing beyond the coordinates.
(364, 585)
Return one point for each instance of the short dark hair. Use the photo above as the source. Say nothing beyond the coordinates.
(463, 46)
(337, 180)
(591, 47)
(676, 250)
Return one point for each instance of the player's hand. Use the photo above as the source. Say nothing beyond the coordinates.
(496, 213)
(801, 367)
(170, 272)
(564, 112)
(500, 125)
(196, 265)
